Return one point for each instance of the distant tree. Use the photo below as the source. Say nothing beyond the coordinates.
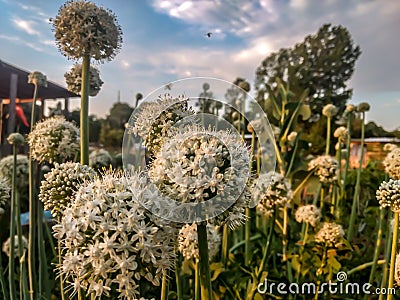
(95, 125)
(322, 63)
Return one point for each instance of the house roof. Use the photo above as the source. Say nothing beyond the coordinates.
(25, 89)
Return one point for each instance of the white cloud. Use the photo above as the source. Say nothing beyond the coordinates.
(25, 25)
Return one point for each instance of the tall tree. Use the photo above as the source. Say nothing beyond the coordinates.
(322, 63)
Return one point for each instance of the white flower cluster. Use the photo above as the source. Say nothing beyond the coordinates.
(392, 163)
(54, 140)
(82, 28)
(7, 167)
(329, 234)
(4, 193)
(197, 165)
(271, 191)
(188, 243)
(153, 120)
(57, 191)
(388, 147)
(111, 244)
(310, 214)
(388, 194)
(99, 159)
(74, 80)
(6, 245)
(325, 167)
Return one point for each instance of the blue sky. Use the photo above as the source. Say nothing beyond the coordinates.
(165, 40)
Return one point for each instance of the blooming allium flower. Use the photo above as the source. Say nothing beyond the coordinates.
(325, 167)
(330, 234)
(308, 214)
(6, 245)
(341, 133)
(16, 139)
(4, 192)
(7, 166)
(292, 137)
(188, 243)
(204, 166)
(57, 191)
(388, 194)
(83, 28)
(392, 163)
(99, 159)
(350, 108)
(74, 80)
(54, 140)
(111, 244)
(271, 191)
(38, 79)
(153, 120)
(329, 110)
(397, 270)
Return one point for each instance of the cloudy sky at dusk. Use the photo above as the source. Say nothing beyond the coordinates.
(165, 40)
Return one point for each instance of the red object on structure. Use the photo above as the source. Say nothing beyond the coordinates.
(20, 114)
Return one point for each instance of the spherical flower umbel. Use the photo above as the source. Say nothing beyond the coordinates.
(153, 120)
(204, 166)
(54, 140)
(37, 79)
(392, 163)
(363, 107)
(57, 191)
(6, 245)
(74, 80)
(16, 139)
(271, 191)
(4, 192)
(388, 147)
(325, 167)
(6, 170)
(329, 234)
(388, 194)
(310, 214)
(111, 244)
(99, 159)
(188, 243)
(83, 28)
(329, 110)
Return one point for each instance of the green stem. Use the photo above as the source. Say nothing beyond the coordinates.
(197, 295)
(164, 286)
(305, 237)
(32, 211)
(289, 169)
(358, 183)
(393, 253)
(377, 245)
(2, 279)
(388, 247)
(23, 275)
(225, 245)
(204, 268)
(328, 135)
(365, 265)
(13, 211)
(300, 186)
(241, 243)
(61, 275)
(247, 235)
(348, 140)
(84, 116)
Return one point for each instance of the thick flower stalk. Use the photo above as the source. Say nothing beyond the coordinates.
(153, 120)
(188, 242)
(84, 30)
(100, 159)
(112, 245)
(58, 189)
(392, 163)
(272, 192)
(54, 140)
(74, 80)
(329, 111)
(325, 167)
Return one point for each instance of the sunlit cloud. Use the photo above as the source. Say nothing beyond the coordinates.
(25, 25)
